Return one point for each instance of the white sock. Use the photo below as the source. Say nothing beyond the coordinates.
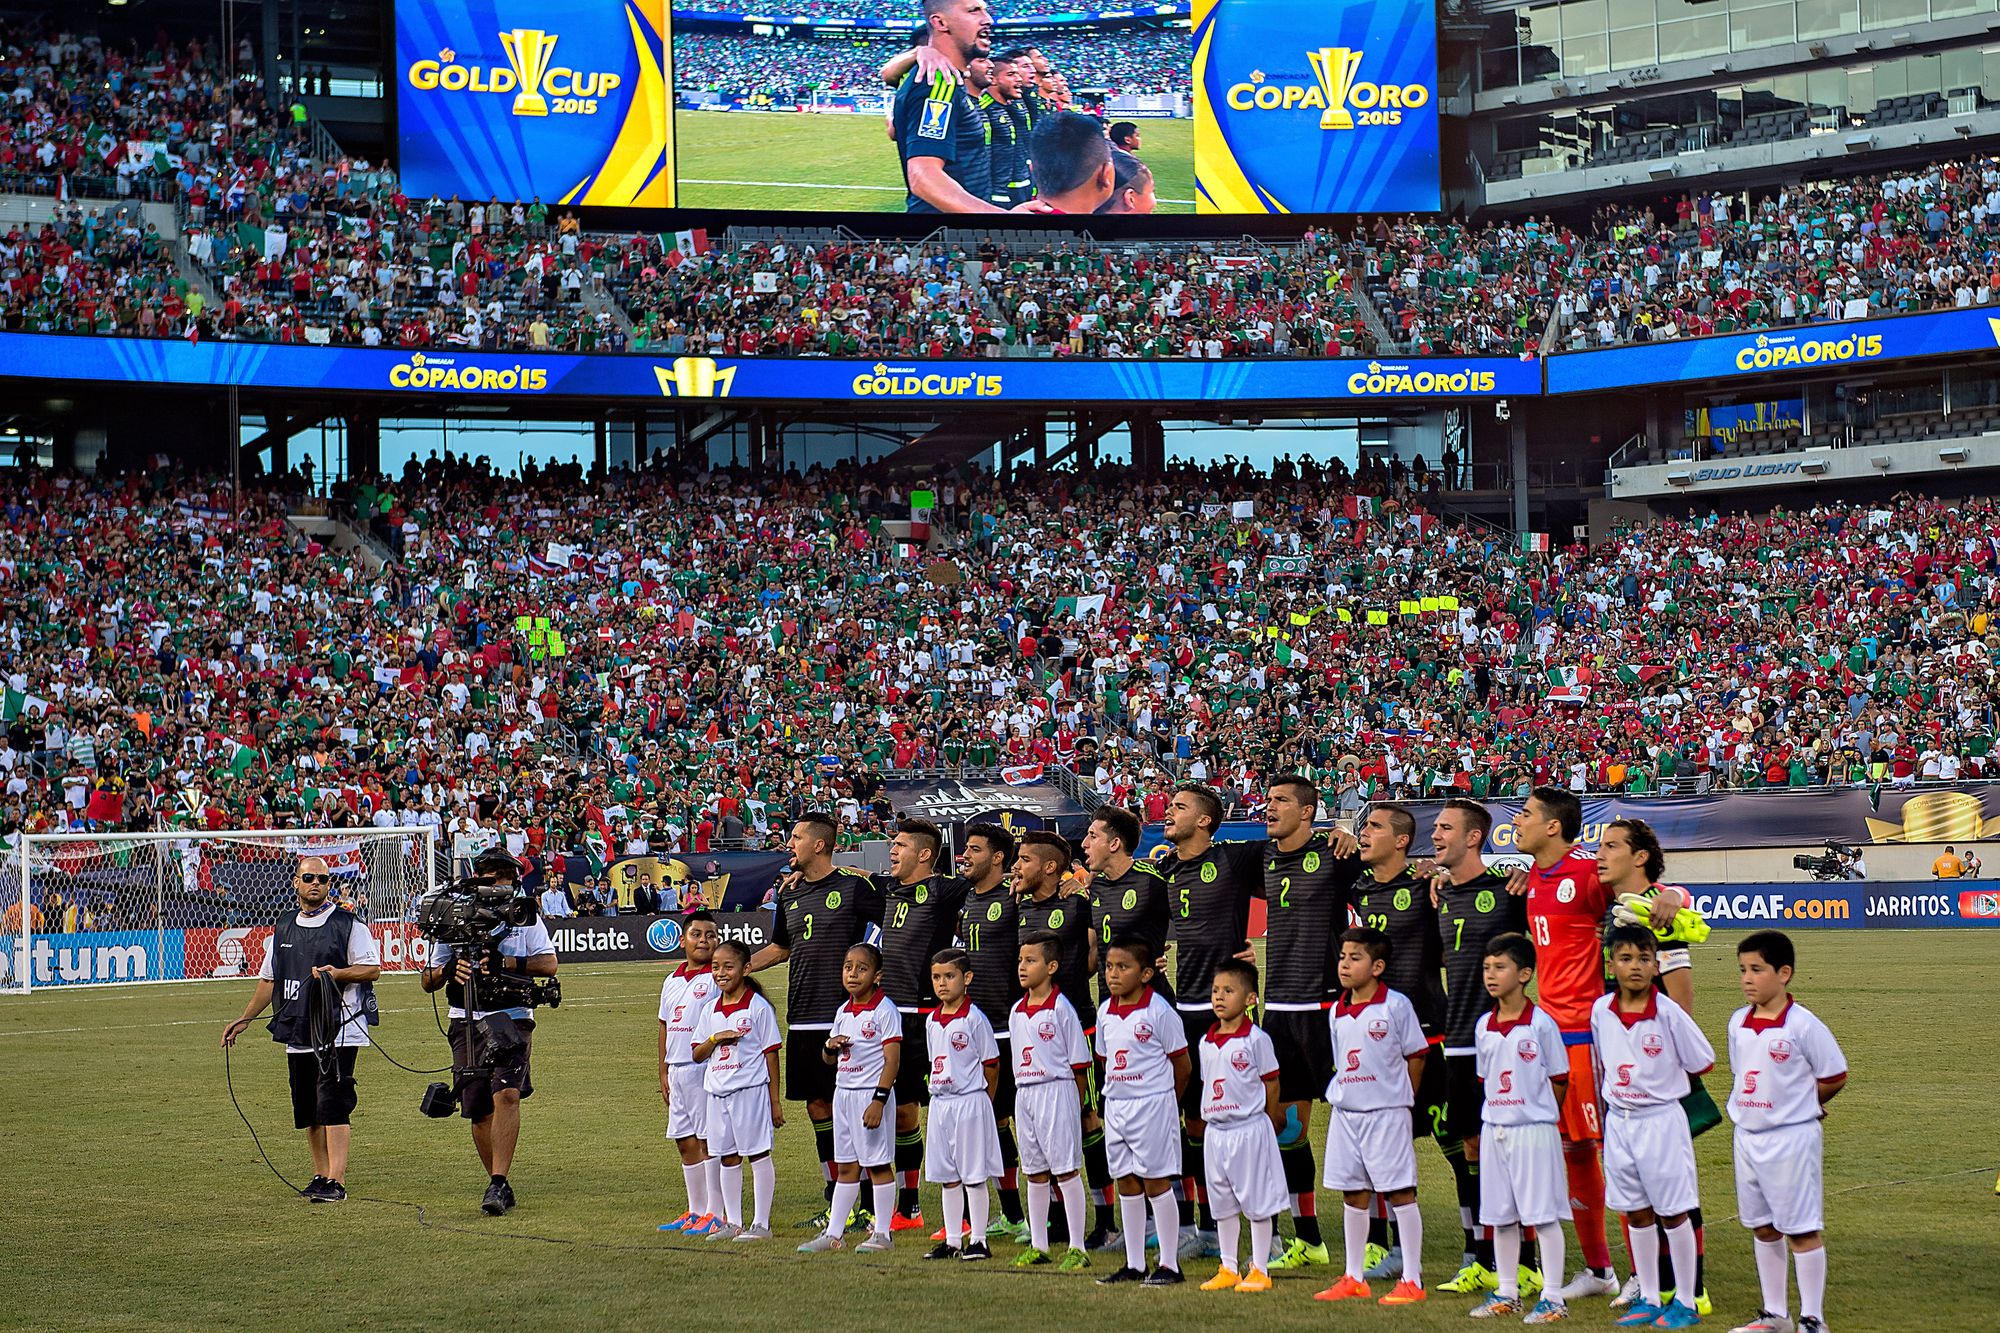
(1355, 1222)
(696, 1177)
(1551, 1237)
(732, 1194)
(954, 1215)
(1680, 1252)
(713, 1165)
(1410, 1231)
(1260, 1243)
(1646, 1258)
(845, 1193)
(1228, 1230)
(1072, 1202)
(979, 1210)
(1166, 1221)
(885, 1206)
(1038, 1215)
(763, 1185)
(1507, 1260)
(1812, 1282)
(1132, 1216)
(1772, 1275)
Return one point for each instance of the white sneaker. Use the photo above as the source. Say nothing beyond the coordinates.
(752, 1233)
(1589, 1283)
(1627, 1295)
(1390, 1269)
(1766, 1322)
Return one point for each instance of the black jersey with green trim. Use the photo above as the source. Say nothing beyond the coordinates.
(1401, 909)
(938, 118)
(917, 920)
(1135, 903)
(1007, 150)
(1306, 896)
(1469, 915)
(1210, 906)
(1068, 919)
(989, 928)
(819, 921)
(1021, 187)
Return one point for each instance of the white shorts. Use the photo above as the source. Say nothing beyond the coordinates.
(1522, 1181)
(1370, 1150)
(687, 1104)
(1674, 958)
(962, 1141)
(854, 1141)
(1048, 1127)
(739, 1123)
(1778, 1178)
(1142, 1136)
(1241, 1167)
(1648, 1161)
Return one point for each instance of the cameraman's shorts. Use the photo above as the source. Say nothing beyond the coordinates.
(322, 1098)
(476, 1089)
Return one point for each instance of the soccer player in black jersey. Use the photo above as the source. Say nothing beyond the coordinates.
(919, 917)
(940, 130)
(1306, 904)
(1039, 873)
(821, 912)
(1473, 906)
(989, 929)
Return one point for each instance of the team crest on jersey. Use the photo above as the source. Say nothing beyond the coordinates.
(960, 1039)
(1208, 872)
(1484, 902)
(1378, 1028)
(1781, 1050)
(743, 1025)
(1402, 900)
(1239, 1060)
(993, 912)
(1527, 1051)
(1131, 899)
(1311, 863)
(833, 900)
(923, 893)
(1566, 891)
(936, 116)
(1056, 919)
(1142, 1033)
(1046, 1030)
(868, 1030)
(1652, 1045)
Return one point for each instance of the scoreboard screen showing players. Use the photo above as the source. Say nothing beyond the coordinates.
(561, 100)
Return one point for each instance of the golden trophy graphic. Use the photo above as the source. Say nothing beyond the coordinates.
(1335, 67)
(529, 51)
(695, 377)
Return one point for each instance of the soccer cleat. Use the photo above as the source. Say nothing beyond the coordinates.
(1678, 1314)
(941, 1251)
(1638, 1315)
(1591, 1282)
(877, 1243)
(964, 1229)
(723, 1230)
(333, 1191)
(700, 1227)
(494, 1201)
(1073, 1261)
(1190, 1247)
(1032, 1258)
(1372, 1256)
(1530, 1280)
(823, 1244)
(680, 1223)
(974, 1252)
(906, 1222)
(1163, 1276)
(1225, 1279)
(1387, 1269)
(1101, 1239)
(1766, 1322)
(1472, 1279)
(1495, 1306)
(1626, 1294)
(752, 1233)
(1001, 1229)
(312, 1190)
(1405, 1292)
(1122, 1273)
(1703, 1306)
(1812, 1324)
(1301, 1255)
(1258, 1280)
(861, 1219)
(818, 1221)
(1546, 1311)
(1347, 1289)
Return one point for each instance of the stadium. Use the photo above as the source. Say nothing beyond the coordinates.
(510, 500)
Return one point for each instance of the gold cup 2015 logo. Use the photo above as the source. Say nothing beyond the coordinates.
(529, 74)
(695, 377)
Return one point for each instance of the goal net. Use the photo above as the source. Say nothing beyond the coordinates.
(82, 909)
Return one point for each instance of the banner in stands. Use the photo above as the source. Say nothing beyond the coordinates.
(557, 100)
(954, 806)
(718, 881)
(507, 377)
(1854, 344)
(646, 939)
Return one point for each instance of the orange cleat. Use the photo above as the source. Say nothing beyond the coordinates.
(1347, 1289)
(909, 1222)
(965, 1229)
(1258, 1280)
(1406, 1293)
(1225, 1279)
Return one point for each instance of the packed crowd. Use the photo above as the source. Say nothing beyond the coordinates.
(549, 646)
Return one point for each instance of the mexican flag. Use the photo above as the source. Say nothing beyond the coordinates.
(240, 757)
(596, 851)
(1562, 677)
(1080, 607)
(1289, 656)
(19, 703)
(1362, 506)
(1631, 675)
(691, 243)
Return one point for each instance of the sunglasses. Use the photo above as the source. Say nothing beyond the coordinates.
(315, 879)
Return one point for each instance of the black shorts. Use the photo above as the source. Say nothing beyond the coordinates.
(1431, 1115)
(1195, 1023)
(808, 1077)
(913, 1084)
(1303, 1043)
(1003, 1090)
(477, 1088)
(321, 1098)
(1465, 1096)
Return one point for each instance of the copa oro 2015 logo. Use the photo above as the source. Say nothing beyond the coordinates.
(1791, 350)
(1338, 92)
(540, 86)
(1394, 379)
(443, 372)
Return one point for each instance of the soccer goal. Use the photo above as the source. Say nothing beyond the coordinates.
(92, 909)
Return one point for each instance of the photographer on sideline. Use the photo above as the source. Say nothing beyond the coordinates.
(491, 1082)
(322, 939)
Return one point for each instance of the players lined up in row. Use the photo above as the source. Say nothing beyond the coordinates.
(1416, 1021)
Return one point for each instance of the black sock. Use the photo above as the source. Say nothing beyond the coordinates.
(1700, 1255)
(1378, 1224)
(497, 1180)
(1010, 1162)
(1097, 1178)
(1301, 1184)
(1192, 1163)
(909, 1161)
(1465, 1174)
(823, 1144)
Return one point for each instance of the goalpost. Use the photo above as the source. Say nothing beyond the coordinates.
(92, 909)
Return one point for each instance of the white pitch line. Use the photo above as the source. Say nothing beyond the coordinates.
(808, 185)
(597, 1003)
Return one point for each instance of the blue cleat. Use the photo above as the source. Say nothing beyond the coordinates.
(1677, 1315)
(1638, 1315)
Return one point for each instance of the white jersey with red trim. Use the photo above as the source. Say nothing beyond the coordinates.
(1776, 1065)
(1517, 1062)
(1139, 1042)
(869, 1028)
(1372, 1046)
(681, 997)
(1235, 1069)
(1644, 1058)
(1048, 1041)
(960, 1046)
(739, 1064)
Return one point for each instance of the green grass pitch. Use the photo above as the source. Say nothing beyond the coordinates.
(777, 161)
(139, 1201)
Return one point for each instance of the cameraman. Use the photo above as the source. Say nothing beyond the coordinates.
(491, 1082)
(1857, 866)
(321, 940)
